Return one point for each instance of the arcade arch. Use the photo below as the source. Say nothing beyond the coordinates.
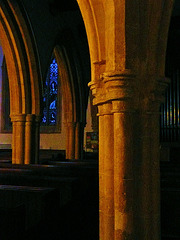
(24, 81)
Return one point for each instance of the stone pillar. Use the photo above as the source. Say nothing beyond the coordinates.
(129, 173)
(143, 178)
(106, 171)
(155, 175)
(30, 139)
(158, 96)
(18, 138)
(37, 138)
(67, 140)
(13, 141)
(116, 177)
(79, 139)
(70, 140)
(101, 174)
(123, 170)
(147, 171)
(150, 192)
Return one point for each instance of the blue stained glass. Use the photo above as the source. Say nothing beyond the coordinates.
(50, 95)
(53, 71)
(53, 105)
(44, 118)
(52, 118)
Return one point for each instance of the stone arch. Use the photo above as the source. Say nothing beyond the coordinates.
(9, 46)
(68, 92)
(162, 36)
(74, 83)
(24, 80)
(71, 117)
(93, 14)
(31, 55)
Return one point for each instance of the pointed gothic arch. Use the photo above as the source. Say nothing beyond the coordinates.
(24, 80)
(71, 116)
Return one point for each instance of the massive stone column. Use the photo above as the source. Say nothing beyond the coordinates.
(156, 98)
(147, 158)
(126, 39)
(116, 148)
(129, 174)
(142, 173)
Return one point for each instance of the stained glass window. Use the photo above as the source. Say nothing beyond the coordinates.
(50, 91)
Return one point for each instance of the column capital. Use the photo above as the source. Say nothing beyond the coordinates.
(105, 109)
(119, 106)
(153, 95)
(18, 117)
(74, 123)
(119, 84)
(113, 86)
(30, 117)
(129, 92)
(161, 85)
(98, 91)
(118, 75)
(70, 124)
(81, 123)
(25, 117)
(38, 118)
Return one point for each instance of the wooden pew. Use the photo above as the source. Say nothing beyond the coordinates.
(77, 187)
(12, 221)
(24, 209)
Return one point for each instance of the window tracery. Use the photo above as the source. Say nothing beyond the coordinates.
(50, 95)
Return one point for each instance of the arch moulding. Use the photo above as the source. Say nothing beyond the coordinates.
(24, 81)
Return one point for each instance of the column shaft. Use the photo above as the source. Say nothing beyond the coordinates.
(123, 176)
(70, 151)
(13, 143)
(18, 147)
(77, 141)
(107, 169)
(67, 141)
(29, 139)
(101, 176)
(37, 138)
(20, 142)
(129, 177)
(155, 176)
(143, 214)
